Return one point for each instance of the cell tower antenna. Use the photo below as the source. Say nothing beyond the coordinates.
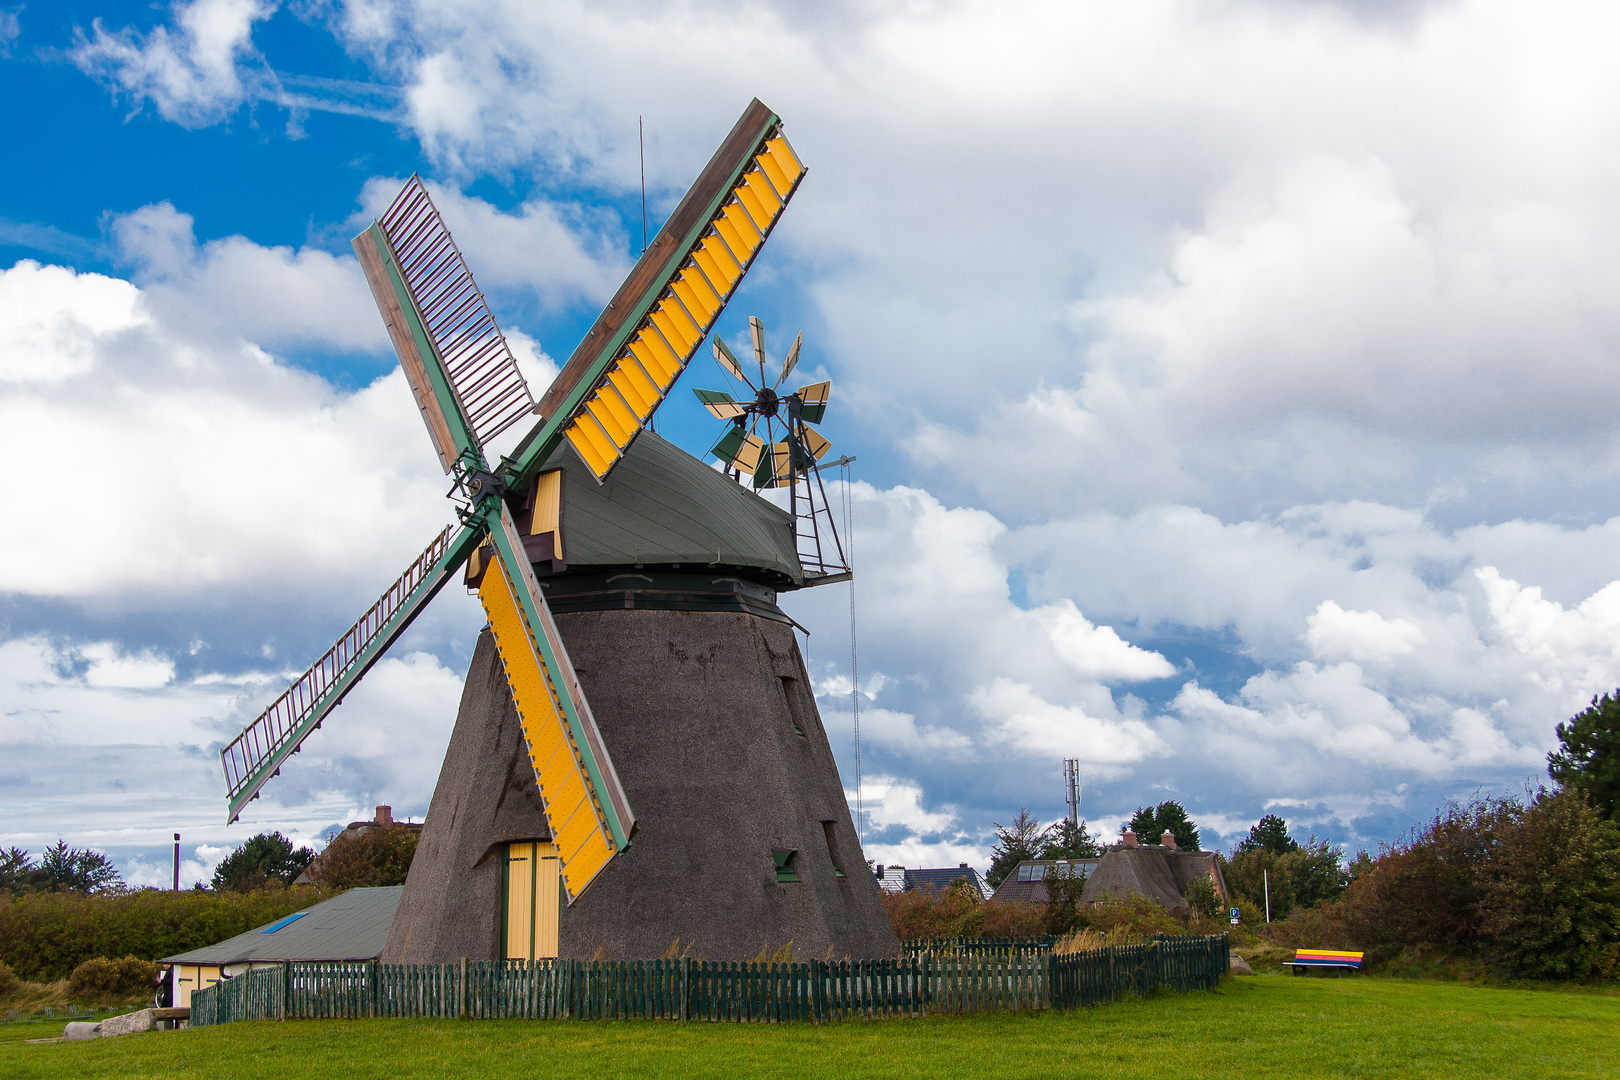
(1071, 786)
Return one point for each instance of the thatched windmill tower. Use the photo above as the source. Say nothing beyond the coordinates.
(635, 654)
(668, 608)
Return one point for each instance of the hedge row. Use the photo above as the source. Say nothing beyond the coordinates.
(44, 936)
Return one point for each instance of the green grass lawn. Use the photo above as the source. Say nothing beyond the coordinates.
(1254, 1027)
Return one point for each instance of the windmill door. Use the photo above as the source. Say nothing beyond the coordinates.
(530, 901)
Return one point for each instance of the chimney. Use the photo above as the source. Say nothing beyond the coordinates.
(1129, 838)
(1168, 841)
(385, 816)
(961, 866)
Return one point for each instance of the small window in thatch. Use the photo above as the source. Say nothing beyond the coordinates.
(784, 864)
(832, 848)
(792, 704)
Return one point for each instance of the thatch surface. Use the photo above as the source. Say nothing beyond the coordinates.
(486, 796)
(697, 710)
(1158, 873)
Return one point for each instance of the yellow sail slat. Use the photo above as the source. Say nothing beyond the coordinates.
(592, 444)
(564, 788)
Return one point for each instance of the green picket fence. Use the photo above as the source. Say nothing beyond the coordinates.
(817, 991)
(978, 946)
(1098, 976)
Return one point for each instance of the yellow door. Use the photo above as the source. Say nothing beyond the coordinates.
(547, 898)
(530, 895)
(189, 978)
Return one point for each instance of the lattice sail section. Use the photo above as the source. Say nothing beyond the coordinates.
(285, 723)
(482, 372)
(649, 363)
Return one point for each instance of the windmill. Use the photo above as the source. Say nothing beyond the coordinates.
(529, 799)
(751, 452)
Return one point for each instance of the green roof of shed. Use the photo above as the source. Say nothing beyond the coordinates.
(351, 926)
(662, 506)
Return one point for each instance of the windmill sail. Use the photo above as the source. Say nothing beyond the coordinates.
(441, 326)
(585, 805)
(639, 346)
(257, 754)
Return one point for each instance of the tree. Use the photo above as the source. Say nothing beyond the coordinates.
(1064, 886)
(1589, 755)
(1427, 890)
(78, 870)
(1252, 874)
(1168, 817)
(1551, 905)
(1315, 872)
(1023, 839)
(375, 857)
(1065, 841)
(19, 874)
(1269, 834)
(1201, 896)
(263, 859)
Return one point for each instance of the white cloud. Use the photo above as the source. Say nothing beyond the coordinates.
(274, 297)
(51, 320)
(1097, 651)
(1574, 653)
(196, 73)
(111, 667)
(211, 462)
(1019, 716)
(900, 732)
(1359, 635)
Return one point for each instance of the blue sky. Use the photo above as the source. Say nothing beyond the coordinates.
(1230, 385)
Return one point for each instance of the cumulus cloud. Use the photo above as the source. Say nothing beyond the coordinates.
(51, 320)
(214, 463)
(1573, 653)
(1359, 635)
(1020, 717)
(275, 297)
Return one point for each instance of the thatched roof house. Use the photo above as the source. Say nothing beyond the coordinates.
(1159, 872)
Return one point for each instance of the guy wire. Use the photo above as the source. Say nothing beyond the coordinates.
(854, 669)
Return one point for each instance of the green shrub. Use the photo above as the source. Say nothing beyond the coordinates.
(1132, 915)
(45, 935)
(375, 857)
(261, 860)
(1551, 905)
(101, 976)
(8, 980)
(1201, 896)
(1063, 889)
(924, 915)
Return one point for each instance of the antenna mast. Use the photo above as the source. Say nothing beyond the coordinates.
(1071, 785)
(641, 143)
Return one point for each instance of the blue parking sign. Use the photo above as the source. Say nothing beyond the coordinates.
(1234, 913)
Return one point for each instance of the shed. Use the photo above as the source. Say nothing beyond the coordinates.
(350, 926)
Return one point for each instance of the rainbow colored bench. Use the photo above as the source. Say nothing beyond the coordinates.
(1322, 962)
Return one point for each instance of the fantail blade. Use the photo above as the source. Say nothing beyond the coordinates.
(723, 354)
